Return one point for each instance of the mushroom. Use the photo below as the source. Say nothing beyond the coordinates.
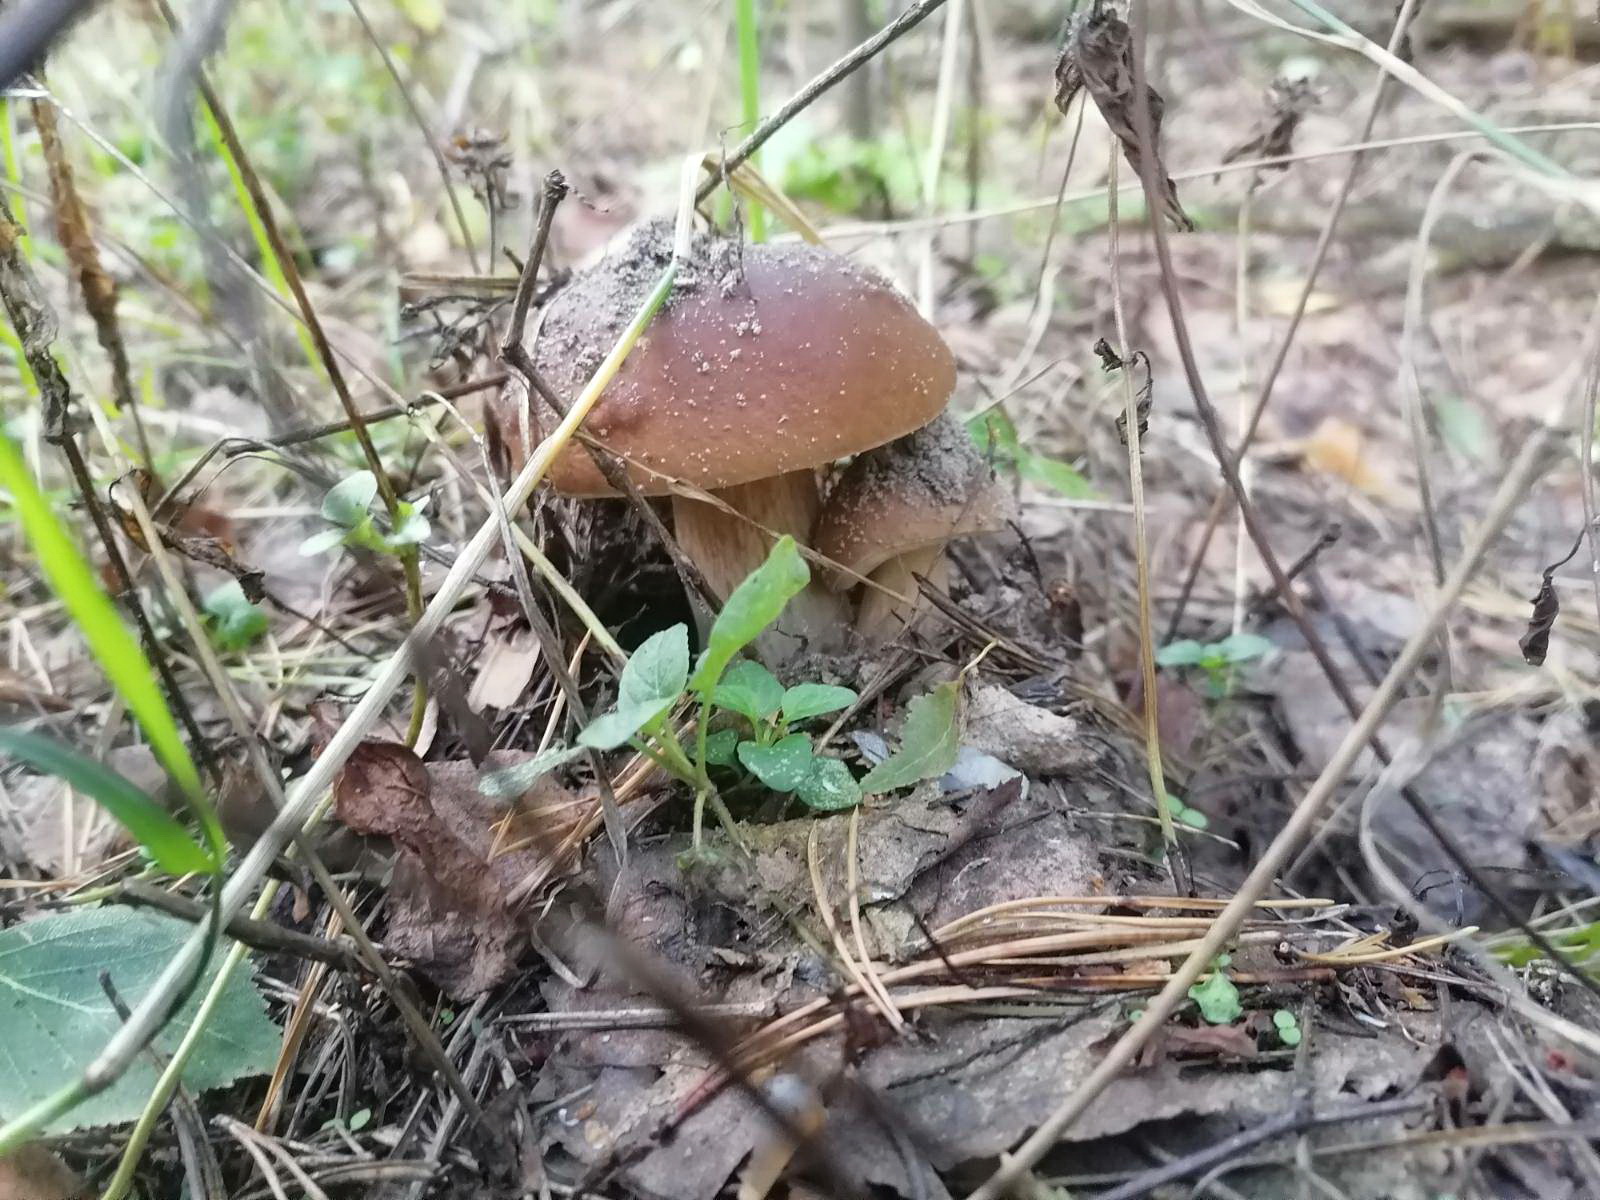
(765, 363)
(894, 510)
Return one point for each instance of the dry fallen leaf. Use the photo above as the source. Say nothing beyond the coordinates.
(505, 670)
(1338, 448)
(448, 912)
(459, 855)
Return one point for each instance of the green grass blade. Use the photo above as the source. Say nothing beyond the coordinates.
(750, 94)
(116, 650)
(155, 829)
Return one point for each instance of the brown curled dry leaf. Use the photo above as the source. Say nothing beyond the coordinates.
(1099, 56)
(449, 913)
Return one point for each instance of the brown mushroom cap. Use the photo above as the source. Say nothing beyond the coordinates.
(920, 491)
(765, 359)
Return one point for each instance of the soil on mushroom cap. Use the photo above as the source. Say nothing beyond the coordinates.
(600, 301)
(938, 461)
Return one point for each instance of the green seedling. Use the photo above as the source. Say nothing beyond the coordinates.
(1216, 659)
(1287, 1027)
(760, 735)
(234, 622)
(1216, 995)
(1184, 815)
(997, 437)
(348, 510)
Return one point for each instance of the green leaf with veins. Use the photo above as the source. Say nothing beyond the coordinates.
(722, 747)
(650, 685)
(755, 604)
(807, 700)
(55, 1016)
(829, 786)
(348, 500)
(930, 742)
(782, 766)
(658, 669)
(750, 690)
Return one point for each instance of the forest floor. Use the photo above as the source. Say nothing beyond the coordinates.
(920, 983)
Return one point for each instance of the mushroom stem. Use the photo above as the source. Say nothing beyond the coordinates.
(727, 548)
(883, 616)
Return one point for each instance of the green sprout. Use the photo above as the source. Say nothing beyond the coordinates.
(234, 622)
(1216, 659)
(1287, 1027)
(348, 510)
(759, 734)
(1216, 995)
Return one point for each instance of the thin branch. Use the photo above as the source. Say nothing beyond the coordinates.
(1319, 255)
(427, 135)
(260, 935)
(803, 99)
(514, 353)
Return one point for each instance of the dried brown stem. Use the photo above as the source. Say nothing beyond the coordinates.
(35, 323)
(262, 935)
(319, 339)
(904, 23)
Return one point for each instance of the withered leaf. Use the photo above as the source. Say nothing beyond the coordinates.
(1288, 100)
(1111, 361)
(1099, 56)
(448, 911)
(1535, 642)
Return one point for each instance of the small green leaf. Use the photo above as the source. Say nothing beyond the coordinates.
(1193, 818)
(1290, 1036)
(1284, 1019)
(1242, 647)
(658, 669)
(993, 430)
(615, 728)
(168, 843)
(829, 786)
(1218, 998)
(782, 766)
(755, 604)
(412, 530)
(1054, 474)
(235, 621)
(514, 780)
(722, 747)
(359, 1120)
(348, 500)
(322, 542)
(750, 690)
(807, 700)
(1187, 653)
(930, 742)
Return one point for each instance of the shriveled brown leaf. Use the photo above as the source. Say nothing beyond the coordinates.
(448, 912)
(459, 857)
(1099, 56)
(1288, 100)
